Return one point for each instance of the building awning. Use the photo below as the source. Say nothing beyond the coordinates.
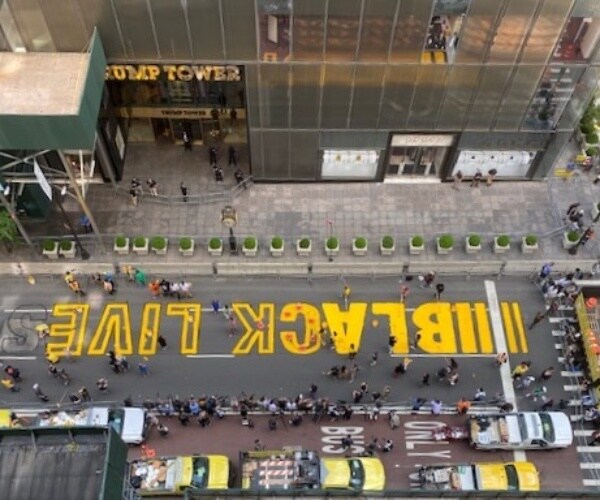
(51, 100)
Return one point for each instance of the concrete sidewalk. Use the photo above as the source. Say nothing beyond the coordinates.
(293, 211)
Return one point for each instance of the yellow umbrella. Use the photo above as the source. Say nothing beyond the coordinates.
(41, 327)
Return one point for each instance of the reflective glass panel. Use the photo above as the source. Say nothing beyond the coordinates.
(306, 86)
(252, 96)
(510, 33)
(517, 98)
(376, 31)
(552, 95)
(276, 154)
(545, 31)
(68, 36)
(136, 28)
(240, 35)
(309, 28)
(274, 29)
(460, 88)
(274, 100)
(32, 26)
(578, 39)
(366, 97)
(336, 96)
(397, 94)
(427, 97)
(342, 30)
(100, 14)
(444, 31)
(580, 97)
(488, 97)
(411, 30)
(304, 154)
(205, 26)
(476, 31)
(171, 29)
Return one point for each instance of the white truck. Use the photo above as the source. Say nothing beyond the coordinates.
(129, 422)
(520, 431)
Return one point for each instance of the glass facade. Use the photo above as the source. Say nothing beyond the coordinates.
(357, 70)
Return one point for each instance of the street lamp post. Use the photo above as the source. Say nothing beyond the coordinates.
(229, 220)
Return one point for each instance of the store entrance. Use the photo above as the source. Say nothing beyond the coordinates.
(420, 161)
(192, 127)
(162, 130)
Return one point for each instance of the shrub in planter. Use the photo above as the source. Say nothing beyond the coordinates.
(215, 243)
(360, 243)
(503, 240)
(446, 241)
(185, 243)
(531, 240)
(49, 245)
(66, 248)
(586, 128)
(250, 243)
(332, 243)
(474, 240)
(573, 236)
(139, 241)
(387, 242)
(303, 246)
(591, 138)
(416, 245)
(593, 151)
(158, 243)
(304, 243)
(277, 243)
(120, 242)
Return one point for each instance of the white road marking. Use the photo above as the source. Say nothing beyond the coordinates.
(588, 449)
(591, 482)
(574, 388)
(575, 418)
(589, 465)
(411, 355)
(500, 341)
(583, 432)
(27, 310)
(20, 358)
(198, 356)
(558, 346)
(556, 320)
(558, 333)
(572, 374)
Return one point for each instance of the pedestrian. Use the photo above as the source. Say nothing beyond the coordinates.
(232, 156)
(184, 191)
(436, 407)
(427, 279)
(84, 394)
(187, 141)
(425, 380)
(134, 197)
(415, 343)
(476, 178)
(594, 438)
(152, 186)
(387, 446)
(480, 395)
(347, 442)
(453, 377)
(218, 174)
(546, 270)
(573, 207)
(374, 358)
(404, 291)
(313, 390)
(391, 343)
(520, 370)
(239, 177)
(162, 342)
(272, 424)
(353, 371)
(163, 430)
(215, 305)
(184, 418)
(232, 330)
(136, 185)
(352, 353)
(143, 368)
(233, 117)
(463, 405)
(394, 420)
(439, 289)
(538, 317)
(501, 358)
(258, 445)
(364, 388)
(489, 178)
(102, 384)
(417, 403)
(458, 177)
(524, 382)
(212, 155)
(547, 405)
(547, 374)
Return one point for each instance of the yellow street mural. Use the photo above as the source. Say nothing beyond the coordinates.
(443, 328)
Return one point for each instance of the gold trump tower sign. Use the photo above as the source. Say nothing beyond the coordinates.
(173, 72)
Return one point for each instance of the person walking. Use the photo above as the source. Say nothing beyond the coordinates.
(439, 289)
(501, 358)
(436, 407)
(134, 197)
(546, 270)
(427, 279)
(476, 179)
(374, 358)
(152, 186)
(184, 191)
(162, 342)
(187, 141)
(538, 318)
(520, 370)
(458, 177)
(547, 374)
(143, 368)
(391, 343)
(404, 291)
(232, 156)
(215, 306)
(212, 155)
(425, 379)
(491, 175)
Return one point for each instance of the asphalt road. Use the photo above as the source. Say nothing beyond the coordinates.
(275, 350)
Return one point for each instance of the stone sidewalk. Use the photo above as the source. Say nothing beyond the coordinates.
(297, 210)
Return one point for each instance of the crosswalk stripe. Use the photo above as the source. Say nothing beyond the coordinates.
(558, 333)
(589, 465)
(588, 449)
(558, 346)
(574, 402)
(561, 359)
(575, 373)
(573, 388)
(583, 432)
(591, 482)
(556, 320)
(575, 418)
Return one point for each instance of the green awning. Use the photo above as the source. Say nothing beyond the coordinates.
(51, 100)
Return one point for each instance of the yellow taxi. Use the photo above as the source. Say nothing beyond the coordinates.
(356, 473)
(512, 476)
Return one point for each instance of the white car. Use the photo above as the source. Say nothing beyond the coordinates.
(520, 431)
